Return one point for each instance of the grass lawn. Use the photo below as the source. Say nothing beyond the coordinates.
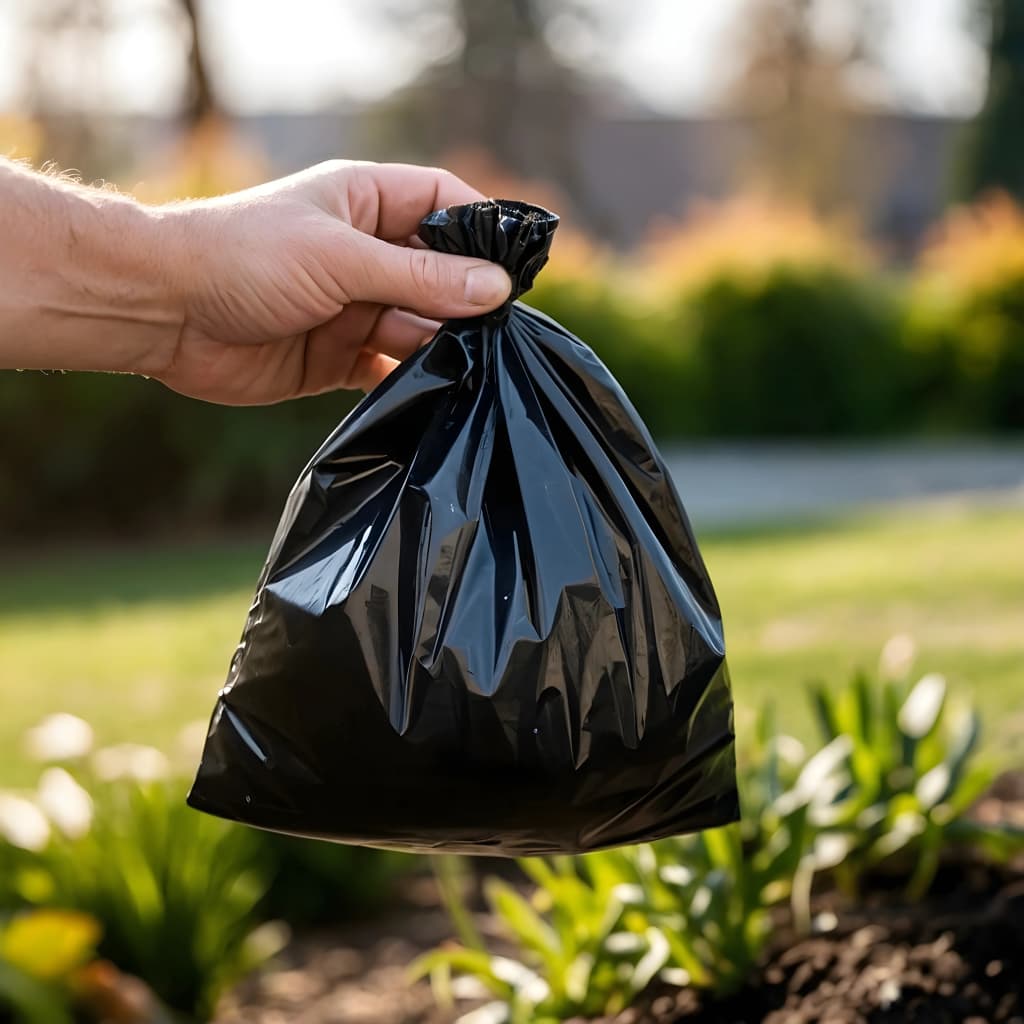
(137, 641)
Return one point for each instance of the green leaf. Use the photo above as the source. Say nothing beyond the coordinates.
(685, 956)
(824, 707)
(32, 1001)
(723, 847)
(525, 923)
(970, 786)
(473, 962)
(1002, 843)
(864, 706)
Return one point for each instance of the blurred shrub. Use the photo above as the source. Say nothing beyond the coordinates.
(785, 327)
(808, 351)
(114, 453)
(173, 891)
(320, 883)
(749, 237)
(182, 899)
(966, 327)
(748, 320)
(590, 295)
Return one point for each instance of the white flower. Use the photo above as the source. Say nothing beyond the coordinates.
(923, 706)
(897, 657)
(131, 761)
(65, 802)
(59, 737)
(22, 824)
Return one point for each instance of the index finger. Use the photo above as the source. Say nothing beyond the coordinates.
(390, 200)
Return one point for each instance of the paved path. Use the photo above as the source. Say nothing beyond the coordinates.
(734, 484)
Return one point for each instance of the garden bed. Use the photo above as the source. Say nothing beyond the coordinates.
(957, 956)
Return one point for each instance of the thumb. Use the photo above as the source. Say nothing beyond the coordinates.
(432, 284)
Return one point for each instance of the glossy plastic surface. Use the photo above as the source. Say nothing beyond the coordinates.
(483, 625)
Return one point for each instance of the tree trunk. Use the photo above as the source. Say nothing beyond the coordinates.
(993, 153)
(200, 102)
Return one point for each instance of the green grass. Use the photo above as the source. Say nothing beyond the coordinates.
(806, 604)
(138, 641)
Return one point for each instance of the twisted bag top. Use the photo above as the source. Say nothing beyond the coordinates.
(483, 625)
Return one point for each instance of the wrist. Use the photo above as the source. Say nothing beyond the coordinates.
(125, 281)
(87, 281)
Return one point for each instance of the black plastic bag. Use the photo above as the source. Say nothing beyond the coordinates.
(483, 625)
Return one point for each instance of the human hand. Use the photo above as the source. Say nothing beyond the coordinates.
(312, 282)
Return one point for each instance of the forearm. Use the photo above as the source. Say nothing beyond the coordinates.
(84, 282)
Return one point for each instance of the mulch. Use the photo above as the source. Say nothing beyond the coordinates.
(955, 958)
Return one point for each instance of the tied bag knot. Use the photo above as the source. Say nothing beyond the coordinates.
(517, 236)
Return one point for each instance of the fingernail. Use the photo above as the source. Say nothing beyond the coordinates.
(487, 286)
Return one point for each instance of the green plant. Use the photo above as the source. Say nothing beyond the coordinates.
(194, 462)
(711, 895)
(965, 328)
(796, 351)
(598, 929)
(581, 949)
(906, 777)
(311, 882)
(891, 785)
(174, 891)
(636, 340)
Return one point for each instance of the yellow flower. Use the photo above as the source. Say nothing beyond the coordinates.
(49, 944)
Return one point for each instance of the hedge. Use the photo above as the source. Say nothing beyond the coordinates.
(798, 351)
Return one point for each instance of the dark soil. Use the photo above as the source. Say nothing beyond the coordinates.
(956, 958)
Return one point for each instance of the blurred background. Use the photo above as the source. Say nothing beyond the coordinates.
(792, 228)
(782, 218)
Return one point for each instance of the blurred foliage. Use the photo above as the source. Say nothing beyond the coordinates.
(750, 238)
(803, 352)
(751, 318)
(115, 454)
(42, 954)
(174, 891)
(966, 325)
(314, 882)
(184, 901)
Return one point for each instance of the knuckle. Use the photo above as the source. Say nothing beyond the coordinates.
(336, 166)
(428, 275)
